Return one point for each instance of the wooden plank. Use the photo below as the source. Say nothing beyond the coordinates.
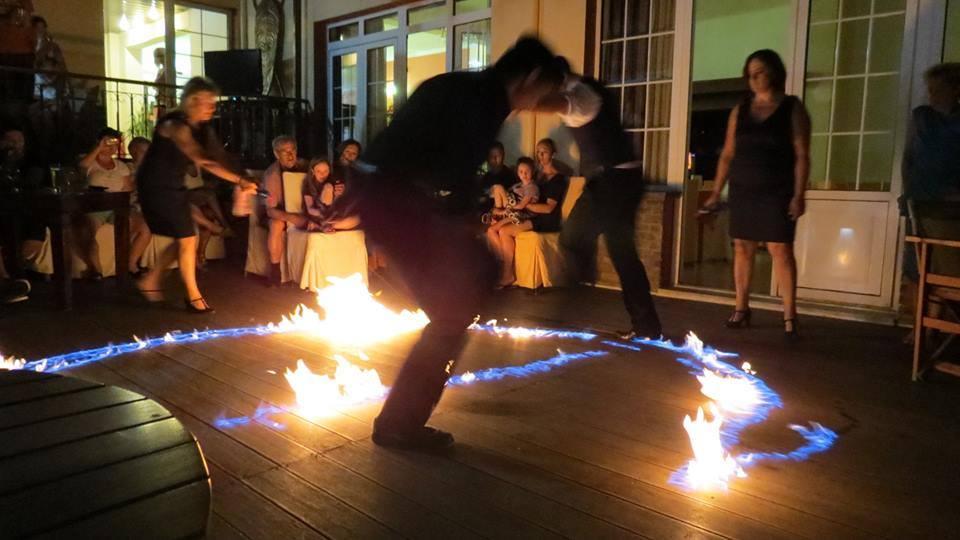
(436, 496)
(21, 376)
(653, 497)
(943, 326)
(85, 495)
(64, 430)
(388, 507)
(219, 528)
(254, 515)
(178, 513)
(41, 389)
(542, 509)
(941, 280)
(48, 465)
(315, 507)
(58, 406)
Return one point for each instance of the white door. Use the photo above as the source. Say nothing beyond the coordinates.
(363, 90)
(855, 61)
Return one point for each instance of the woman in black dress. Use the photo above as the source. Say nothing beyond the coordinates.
(182, 137)
(766, 157)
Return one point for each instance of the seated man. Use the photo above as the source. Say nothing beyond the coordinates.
(285, 150)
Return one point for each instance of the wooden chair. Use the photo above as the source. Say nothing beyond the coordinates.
(937, 238)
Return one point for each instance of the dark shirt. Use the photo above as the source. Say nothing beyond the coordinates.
(931, 160)
(165, 165)
(555, 189)
(442, 134)
(763, 164)
(602, 141)
(504, 176)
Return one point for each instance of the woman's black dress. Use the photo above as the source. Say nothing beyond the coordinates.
(761, 175)
(160, 188)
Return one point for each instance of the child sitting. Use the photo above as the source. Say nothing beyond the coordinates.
(510, 206)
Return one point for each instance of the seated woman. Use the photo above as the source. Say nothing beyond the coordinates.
(320, 189)
(205, 211)
(107, 173)
(545, 218)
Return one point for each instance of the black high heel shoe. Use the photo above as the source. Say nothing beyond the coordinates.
(739, 319)
(790, 329)
(195, 310)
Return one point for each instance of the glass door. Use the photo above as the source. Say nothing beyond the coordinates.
(363, 90)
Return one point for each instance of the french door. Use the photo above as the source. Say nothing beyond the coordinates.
(364, 90)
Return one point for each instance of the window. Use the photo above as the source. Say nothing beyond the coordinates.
(636, 63)
(198, 31)
(852, 88)
(951, 34)
(377, 60)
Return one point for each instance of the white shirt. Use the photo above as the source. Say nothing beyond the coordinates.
(113, 179)
(583, 103)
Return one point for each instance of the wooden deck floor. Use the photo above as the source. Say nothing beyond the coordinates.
(584, 451)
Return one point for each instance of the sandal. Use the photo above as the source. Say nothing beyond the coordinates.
(195, 310)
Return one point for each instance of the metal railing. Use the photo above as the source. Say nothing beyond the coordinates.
(62, 113)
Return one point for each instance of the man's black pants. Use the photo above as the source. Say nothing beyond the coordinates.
(608, 206)
(448, 270)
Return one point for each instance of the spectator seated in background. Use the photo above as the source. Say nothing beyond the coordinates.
(205, 211)
(347, 152)
(320, 190)
(277, 218)
(105, 172)
(496, 174)
(137, 148)
(21, 173)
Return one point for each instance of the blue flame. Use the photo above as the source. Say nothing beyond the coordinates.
(526, 370)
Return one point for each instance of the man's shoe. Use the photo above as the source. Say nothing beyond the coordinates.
(425, 439)
(14, 290)
(638, 333)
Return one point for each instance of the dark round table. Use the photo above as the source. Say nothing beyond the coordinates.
(82, 460)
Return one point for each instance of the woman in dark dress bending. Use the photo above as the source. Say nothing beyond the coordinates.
(766, 157)
(182, 137)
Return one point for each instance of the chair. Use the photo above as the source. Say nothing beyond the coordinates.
(936, 227)
(312, 257)
(43, 263)
(539, 260)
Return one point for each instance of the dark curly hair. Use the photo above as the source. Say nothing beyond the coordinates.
(775, 68)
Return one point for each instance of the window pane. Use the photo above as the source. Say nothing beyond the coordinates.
(663, 15)
(472, 45)
(346, 31)
(818, 161)
(849, 105)
(821, 49)
(661, 57)
(658, 110)
(611, 62)
(214, 43)
(877, 163)
(188, 19)
(852, 53)
(345, 85)
(843, 161)
(885, 46)
(855, 8)
(380, 89)
(613, 19)
(655, 157)
(636, 60)
(886, 6)
(824, 10)
(637, 137)
(426, 56)
(951, 41)
(882, 93)
(638, 17)
(215, 23)
(381, 24)
(634, 106)
(817, 97)
(426, 13)
(466, 6)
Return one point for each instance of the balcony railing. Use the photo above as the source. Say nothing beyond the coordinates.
(61, 114)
